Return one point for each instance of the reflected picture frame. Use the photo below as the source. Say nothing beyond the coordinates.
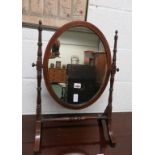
(58, 64)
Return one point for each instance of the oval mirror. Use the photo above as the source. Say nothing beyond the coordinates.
(77, 64)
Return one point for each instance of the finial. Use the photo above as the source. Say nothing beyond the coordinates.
(40, 22)
(40, 25)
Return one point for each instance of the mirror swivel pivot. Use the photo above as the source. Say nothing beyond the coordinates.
(38, 65)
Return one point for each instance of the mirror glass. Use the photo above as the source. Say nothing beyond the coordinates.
(77, 65)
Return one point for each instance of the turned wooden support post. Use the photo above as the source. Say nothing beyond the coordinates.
(108, 110)
(39, 77)
(39, 71)
(112, 77)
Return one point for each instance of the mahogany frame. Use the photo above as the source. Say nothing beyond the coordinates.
(48, 53)
(106, 115)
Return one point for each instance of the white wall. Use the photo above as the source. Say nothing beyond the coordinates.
(108, 15)
(75, 43)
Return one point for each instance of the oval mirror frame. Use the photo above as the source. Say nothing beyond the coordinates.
(47, 54)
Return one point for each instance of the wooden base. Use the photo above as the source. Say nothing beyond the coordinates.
(37, 137)
(81, 132)
(72, 118)
(110, 134)
(101, 133)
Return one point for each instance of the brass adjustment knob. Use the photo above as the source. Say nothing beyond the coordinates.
(117, 69)
(33, 64)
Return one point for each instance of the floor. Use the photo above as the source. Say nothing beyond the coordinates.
(79, 138)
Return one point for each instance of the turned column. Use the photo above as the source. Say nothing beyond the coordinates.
(39, 77)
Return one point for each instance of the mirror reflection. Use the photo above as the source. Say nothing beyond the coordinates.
(77, 65)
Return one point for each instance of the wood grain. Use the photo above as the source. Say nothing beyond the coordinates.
(82, 135)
